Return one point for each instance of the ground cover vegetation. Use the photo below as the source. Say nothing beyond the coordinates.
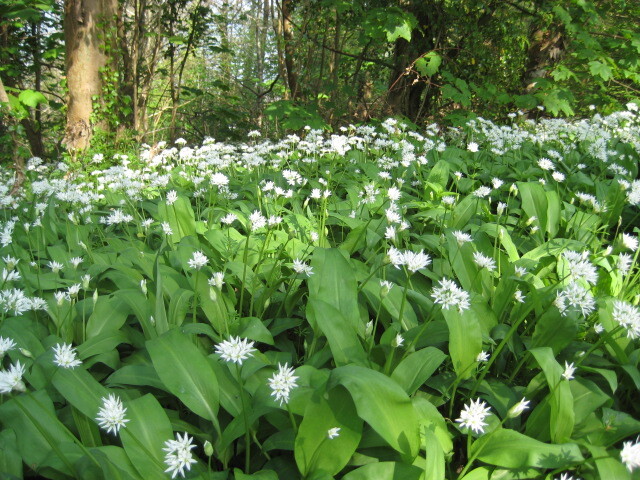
(378, 303)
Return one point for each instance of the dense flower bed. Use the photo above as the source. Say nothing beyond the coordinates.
(379, 303)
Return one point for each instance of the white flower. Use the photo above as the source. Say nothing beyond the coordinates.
(482, 357)
(496, 182)
(472, 147)
(630, 455)
(390, 233)
(558, 177)
(481, 192)
(219, 179)
(166, 228)
(333, 433)
(473, 415)
(55, 266)
(398, 341)
(518, 408)
(501, 208)
(546, 164)
(630, 242)
(111, 414)
(482, 261)
(520, 271)
(6, 344)
(75, 261)
(624, 263)
(413, 261)
(448, 294)
(627, 316)
(518, 296)
(448, 200)
(580, 268)
(172, 196)
(228, 219)
(65, 356)
(416, 261)
(11, 379)
(569, 369)
(198, 260)
(566, 476)
(257, 220)
(217, 280)
(461, 237)
(598, 328)
(179, 455)
(282, 383)
(394, 194)
(575, 298)
(235, 350)
(300, 267)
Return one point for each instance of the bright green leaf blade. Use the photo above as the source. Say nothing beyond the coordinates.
(186, 372)
(465, 339)
(314, 450)
(385, 471)
(416, 368)
(383, 404)
(511, 449)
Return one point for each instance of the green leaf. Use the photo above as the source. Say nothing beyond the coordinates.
(601, 70)
(385, 471)
(434, 466)
(109, 313)
(429, 64)
(313, 449)
(465, 340)
(180, 217)
(416, 368)
(80, 389)
(10, 458)
(343, 339)
(382, 404)
(31, 98)
(140, 375)
(511, 449)
(40, 433)
(186, 372)
(144, 436)
(334, 282)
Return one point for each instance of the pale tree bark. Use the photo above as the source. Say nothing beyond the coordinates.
(18, 160)
(84, 28)
(289, 49)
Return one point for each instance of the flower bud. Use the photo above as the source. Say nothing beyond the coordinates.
(208, 448)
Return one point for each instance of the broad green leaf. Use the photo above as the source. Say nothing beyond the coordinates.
(334, 282)
(115, 463)
(342, 337)
(562, 418)
(140, 306)
(600, 69)
(32, 416)
(314, 450)
(390, 303)
(385, 471)
(434, 468)
(465, 340)
(429, 64)
(383, 404)
(186, 372)
(31, 98)
(416, 368)
(140, 375)
(102, 343)
(180, 217)
(608, 466)
(511, 449)
(109, 314)
(144, 436)
(534, 203)
(10, 458)
(160, 311)
(261, 475)
(554, 330)
(80, 389)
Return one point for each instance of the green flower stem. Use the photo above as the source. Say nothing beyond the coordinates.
(195, 296)
(245, 256)
(294, 424)
(404, 301)
(253, 284)
(247, 432)
(498, 350)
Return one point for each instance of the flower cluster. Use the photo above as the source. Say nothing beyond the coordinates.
(473, 416)
(282, 382)
(178, 455)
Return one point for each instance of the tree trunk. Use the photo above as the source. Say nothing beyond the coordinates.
(84, 58)
(289, 50)
(18, 160)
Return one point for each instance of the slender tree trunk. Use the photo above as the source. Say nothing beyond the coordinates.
(83, 61)
(289, 49)
(18, 160)
(282, 69)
